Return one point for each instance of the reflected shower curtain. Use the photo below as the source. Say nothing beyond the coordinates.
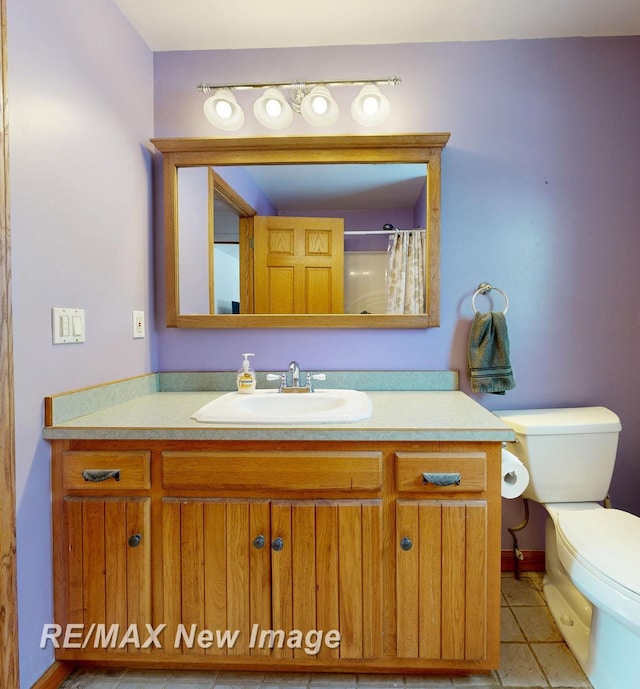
(406, 272)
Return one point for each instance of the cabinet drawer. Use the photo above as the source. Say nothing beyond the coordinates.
(441, 472)
(317, 471)
(102, 471)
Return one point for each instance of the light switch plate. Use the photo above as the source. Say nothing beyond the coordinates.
(67, 325)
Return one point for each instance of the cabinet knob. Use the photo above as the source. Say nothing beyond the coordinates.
(277, 544)
(134, 541)
(258, 542)
(406, 543)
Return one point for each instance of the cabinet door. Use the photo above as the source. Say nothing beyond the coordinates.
(441, 579)
(327, 575)
(271, 570)
(216, 574)
(109, 566)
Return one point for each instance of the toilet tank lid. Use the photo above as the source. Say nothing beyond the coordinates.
(561, 420)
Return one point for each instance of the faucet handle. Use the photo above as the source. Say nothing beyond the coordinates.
(282, 377)
(315, 376)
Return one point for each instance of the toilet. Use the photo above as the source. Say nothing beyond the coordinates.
(592, 578)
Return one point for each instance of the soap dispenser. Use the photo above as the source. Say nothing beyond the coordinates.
(246, 378)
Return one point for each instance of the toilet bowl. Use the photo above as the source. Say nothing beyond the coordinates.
(592, 578)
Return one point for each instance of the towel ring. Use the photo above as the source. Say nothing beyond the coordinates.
(485, 288)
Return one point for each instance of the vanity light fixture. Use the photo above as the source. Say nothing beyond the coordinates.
(312, 100)
(272, 110)
(319, 108)
(223, 111)
(370, 107)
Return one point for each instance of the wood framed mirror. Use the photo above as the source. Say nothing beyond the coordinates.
(200, 173)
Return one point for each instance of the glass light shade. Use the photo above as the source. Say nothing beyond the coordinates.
(319, 108)
(222, 111)
(272, 110)
(370, 107)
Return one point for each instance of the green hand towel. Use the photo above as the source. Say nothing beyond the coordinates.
(488, 356)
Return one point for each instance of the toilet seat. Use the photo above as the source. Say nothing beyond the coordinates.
(587, 534)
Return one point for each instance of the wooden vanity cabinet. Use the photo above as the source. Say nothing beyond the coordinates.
(308, 559)
(257, 537)
(441, 555)
(260, 565)
(103, 567)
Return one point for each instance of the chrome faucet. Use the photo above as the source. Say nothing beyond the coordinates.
(294, 370)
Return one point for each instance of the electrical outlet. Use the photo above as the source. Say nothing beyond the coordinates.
(138, 324)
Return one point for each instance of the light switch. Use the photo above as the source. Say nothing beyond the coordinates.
(78, 325)
(67, 325)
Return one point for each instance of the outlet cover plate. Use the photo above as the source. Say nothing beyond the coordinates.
(138, 324)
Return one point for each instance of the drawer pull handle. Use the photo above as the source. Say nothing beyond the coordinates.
(97, 475)
(406, 543)
(258, 542)
(277, 544)
(134, 541)
(440, 479)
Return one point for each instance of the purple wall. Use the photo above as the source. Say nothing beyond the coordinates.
(541, 197)
(81, 114)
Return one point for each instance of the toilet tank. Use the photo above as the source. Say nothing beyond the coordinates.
(569, 453)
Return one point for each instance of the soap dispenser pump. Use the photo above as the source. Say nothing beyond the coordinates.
(246, 378)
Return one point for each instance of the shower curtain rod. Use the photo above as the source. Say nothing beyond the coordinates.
(390, 231)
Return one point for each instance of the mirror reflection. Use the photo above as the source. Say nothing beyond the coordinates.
(345, 239)
(251, 211)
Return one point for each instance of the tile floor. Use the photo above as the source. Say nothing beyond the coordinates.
(533, 656)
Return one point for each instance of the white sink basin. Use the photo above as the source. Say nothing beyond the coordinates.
(271, 406)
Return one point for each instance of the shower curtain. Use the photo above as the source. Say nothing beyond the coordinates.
(406, 272)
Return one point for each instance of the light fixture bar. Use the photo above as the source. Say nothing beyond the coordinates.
(388, 81)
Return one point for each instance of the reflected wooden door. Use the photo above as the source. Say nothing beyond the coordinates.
(298, 265)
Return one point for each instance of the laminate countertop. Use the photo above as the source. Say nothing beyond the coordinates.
(144, 409)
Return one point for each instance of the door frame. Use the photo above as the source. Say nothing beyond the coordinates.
(9, 671)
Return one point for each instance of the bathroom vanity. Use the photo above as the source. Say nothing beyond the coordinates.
(371, 546)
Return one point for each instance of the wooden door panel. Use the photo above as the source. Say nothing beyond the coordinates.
(441, 579)
(303, 574)
(407, 580)
(192, 570)
(331, 578)
(350, 580)
(93, 561)
(259, 569)
(171, 573)
(372, 598)
(298, 265)
(218, 580)
(238, 592)
(281, 574)
(137, 523)
(430, 587)
(326, 557)
(453, 581)
(109, 578)
(116, 574)
(476, 623)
